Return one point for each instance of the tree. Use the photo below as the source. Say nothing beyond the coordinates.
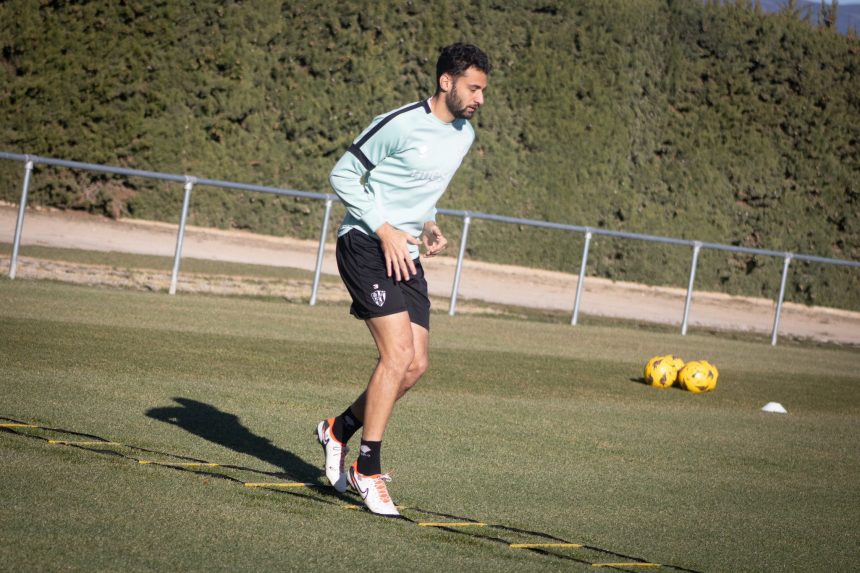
(827, 15)
(792, 9)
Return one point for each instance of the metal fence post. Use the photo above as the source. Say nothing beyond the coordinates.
(180, 237)
(775, 332)
(321, 251)
(19, 225)
(575, 317)
(467, 220)
(697, 246)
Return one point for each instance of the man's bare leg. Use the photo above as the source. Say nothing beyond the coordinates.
(395, 341)
(393, 337)
(403, 349)
(417, 368)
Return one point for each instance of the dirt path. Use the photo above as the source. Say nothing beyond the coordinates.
(500, 284)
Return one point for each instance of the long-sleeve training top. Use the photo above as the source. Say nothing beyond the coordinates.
(398, 168)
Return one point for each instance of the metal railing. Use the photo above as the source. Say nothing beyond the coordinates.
(468, 216)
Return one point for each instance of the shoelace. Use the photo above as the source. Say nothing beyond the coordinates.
(381, 488)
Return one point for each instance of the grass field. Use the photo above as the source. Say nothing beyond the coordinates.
(161, 263)
(539, 430)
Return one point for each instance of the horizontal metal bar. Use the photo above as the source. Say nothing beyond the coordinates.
(164, 176)
(744, 250)
(780, 254)
(453, 212)
(515, 220)
(641, 237)
(566, 227)
(817, 259)
(647, 238)
(265, 189)
(450, 212)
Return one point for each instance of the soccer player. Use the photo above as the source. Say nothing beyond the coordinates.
(390, 179)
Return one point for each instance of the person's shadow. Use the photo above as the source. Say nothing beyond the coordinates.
(223, 428)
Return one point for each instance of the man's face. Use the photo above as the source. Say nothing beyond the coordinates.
(466, 94)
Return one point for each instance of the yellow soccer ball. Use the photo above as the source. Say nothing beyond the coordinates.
(698, 376)
(713, 372)
(677, 361)
(661, 371)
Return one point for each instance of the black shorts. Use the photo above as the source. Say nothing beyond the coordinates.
(361, 263)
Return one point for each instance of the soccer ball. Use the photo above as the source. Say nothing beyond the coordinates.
(712, 372)
(699, 376)
(676, 361)
(662, 371)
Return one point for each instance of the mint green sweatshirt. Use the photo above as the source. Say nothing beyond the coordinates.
(398, 168)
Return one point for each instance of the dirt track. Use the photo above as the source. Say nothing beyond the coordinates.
(480, 281)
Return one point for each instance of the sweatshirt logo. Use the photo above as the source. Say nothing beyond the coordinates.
(427, 175)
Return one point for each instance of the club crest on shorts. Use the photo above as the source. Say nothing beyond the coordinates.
(378, 296)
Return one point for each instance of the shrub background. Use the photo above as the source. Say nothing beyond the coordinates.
(676, 117)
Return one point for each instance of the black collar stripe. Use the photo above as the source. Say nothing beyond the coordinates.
(359, 154)
(355, 148)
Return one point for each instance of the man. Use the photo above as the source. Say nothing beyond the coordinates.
(390, 179)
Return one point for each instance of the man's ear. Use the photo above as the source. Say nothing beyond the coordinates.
(445, 82)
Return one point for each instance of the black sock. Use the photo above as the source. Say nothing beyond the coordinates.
(345, 426)
(368, 458)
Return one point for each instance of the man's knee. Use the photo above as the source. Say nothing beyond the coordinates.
(416, 369)
(400, 358)
(418, 366)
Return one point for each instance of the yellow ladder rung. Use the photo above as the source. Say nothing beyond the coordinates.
(181, 464)
(355, 506)
(635, 564)
(452, 524)
(82, 443)
(280, 484)
(530, 545)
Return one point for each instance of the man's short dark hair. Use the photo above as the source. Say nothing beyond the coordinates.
(457, 58)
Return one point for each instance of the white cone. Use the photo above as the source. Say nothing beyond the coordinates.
(775, 407)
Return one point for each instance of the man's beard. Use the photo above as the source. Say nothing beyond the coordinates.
(456, 107)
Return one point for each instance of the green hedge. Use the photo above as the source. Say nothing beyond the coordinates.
(676, 117)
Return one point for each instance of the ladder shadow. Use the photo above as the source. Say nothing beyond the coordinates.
(225, 429)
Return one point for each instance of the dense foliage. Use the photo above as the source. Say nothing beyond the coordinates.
(690, 119)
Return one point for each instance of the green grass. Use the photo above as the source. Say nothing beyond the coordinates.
(159, 263)
(209, 268)
(531, 425)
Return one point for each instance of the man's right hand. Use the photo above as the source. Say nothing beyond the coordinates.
(398, 259)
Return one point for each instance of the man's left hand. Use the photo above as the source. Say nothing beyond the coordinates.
(433, 239)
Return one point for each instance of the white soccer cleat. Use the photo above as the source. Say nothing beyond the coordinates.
(335, 454)
(374, 491)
